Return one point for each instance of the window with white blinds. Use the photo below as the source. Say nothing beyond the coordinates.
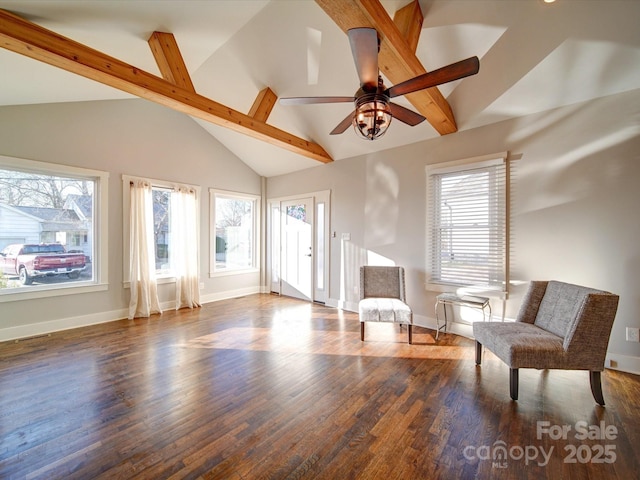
(467, 211)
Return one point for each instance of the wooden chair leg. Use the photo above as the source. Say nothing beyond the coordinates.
(596, 387)
(478, 353)
(362, 331)
(513, 383)
(410, 334)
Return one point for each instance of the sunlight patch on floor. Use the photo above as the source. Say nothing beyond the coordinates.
(384, 340)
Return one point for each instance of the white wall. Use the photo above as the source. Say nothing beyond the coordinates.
(574, 208)
(133, 137)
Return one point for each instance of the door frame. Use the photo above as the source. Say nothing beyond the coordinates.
(321, 243)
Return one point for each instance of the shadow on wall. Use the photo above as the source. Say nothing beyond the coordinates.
(381, 209)
(380, 227)
(570, 176)
(352, 257)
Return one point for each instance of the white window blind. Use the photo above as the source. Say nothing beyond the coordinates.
(468, 224)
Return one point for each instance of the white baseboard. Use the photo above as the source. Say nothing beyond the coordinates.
(45, 328)
(240, 292)
(462, 329)
(419, 320)
(342, 305)
(623, 363)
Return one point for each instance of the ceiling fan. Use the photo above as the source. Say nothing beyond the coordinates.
(374, 109)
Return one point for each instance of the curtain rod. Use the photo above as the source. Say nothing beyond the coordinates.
(172, 189)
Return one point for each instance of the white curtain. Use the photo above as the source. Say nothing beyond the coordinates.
(184, 246)
(142, 273)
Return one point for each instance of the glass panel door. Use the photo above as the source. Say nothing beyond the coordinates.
(297, 248)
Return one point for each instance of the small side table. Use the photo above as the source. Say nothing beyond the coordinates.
(471, 301)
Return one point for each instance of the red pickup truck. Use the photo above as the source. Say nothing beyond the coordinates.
(29, 261)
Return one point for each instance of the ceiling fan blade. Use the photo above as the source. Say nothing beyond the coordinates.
(455, 71)
(405, 115)
(364, 46)
(312, 100)
(343, 125)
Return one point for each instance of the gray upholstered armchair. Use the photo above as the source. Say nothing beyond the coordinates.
(559, 326)
(382, 297)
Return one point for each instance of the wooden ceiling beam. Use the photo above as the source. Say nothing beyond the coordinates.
(263, 104)
(409, 21)
(396, 59)
(169, 59)
(34, 41)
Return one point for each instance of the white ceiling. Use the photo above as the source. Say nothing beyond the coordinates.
(533, 57)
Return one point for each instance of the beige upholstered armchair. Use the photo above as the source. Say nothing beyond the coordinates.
(559, 326)
(382, 297)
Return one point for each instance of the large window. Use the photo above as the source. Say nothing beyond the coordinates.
(234, 232)
(51, 218)
(467, 221)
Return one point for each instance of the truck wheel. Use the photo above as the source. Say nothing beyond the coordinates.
(73, 275)
(25, 279)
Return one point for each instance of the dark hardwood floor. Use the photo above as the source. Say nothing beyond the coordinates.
(264, 387)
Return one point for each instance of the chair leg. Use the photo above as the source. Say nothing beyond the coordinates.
(410, 334)
(362, 331)
(596, 387)
(478, 353)
(513, 383)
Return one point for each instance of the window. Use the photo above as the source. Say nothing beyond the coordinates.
(161, 229)
(53, 237)
(234, 232)
(320, 245)
(468, 223)
(164, 195)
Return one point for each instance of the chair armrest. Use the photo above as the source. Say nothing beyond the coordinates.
(531, 301)
(588, 335)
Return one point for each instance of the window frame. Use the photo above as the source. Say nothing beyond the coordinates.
(165, 276)
(255, 225)
(459, 166)
(100, 222)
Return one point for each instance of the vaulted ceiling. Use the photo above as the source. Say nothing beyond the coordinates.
(237, 56)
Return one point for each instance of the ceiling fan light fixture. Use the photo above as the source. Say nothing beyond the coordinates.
(372, 116)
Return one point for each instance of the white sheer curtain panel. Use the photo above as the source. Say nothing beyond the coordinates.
(144, 288)
(184, 241)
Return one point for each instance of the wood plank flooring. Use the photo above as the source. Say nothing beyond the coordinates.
(267, 387)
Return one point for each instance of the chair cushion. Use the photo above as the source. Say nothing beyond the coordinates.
(521, 345)
(382, 282)
(384, 310)
(560, 306)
